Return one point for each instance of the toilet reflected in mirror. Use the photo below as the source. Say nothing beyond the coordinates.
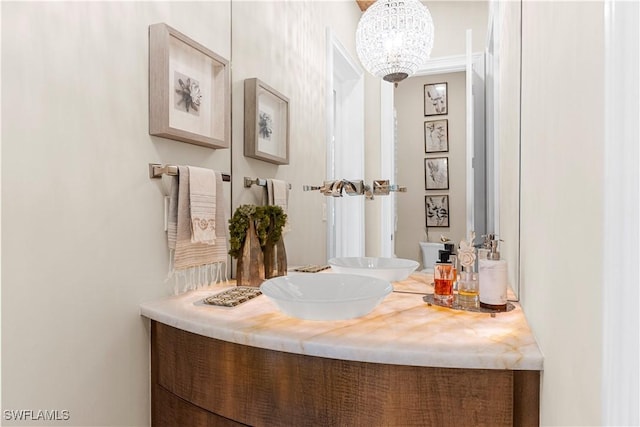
(429, 251)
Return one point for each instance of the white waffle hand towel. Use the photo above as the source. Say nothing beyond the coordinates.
(278, 193)
(202, 201)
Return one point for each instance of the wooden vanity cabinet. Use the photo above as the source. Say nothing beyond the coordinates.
(201, 381)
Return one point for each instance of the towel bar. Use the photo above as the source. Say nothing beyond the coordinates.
(248, 182)
(156, 170)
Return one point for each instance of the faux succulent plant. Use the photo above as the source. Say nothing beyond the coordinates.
(268, 220)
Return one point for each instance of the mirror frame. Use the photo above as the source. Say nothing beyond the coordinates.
(493, 64)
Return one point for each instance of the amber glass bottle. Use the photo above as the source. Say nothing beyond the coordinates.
(443, 272)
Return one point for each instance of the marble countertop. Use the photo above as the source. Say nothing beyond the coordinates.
(402, 330)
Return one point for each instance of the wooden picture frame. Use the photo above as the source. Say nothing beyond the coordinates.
(266, 123)
(436, 210)
(189, 90)
(436, 99)
(436, 136)
(436, 173)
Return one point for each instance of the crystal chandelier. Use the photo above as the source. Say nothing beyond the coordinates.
(394, 38)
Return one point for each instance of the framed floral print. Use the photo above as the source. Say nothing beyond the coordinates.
(189, 90)
(266, 123)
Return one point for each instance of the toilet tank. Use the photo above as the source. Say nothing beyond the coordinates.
(429, 252)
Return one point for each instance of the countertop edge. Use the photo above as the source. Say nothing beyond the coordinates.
(352, 353)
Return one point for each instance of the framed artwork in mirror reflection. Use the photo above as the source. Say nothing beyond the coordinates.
(189, 90)
(436, 210)
(435, 99)
(266, 123)
(436, 173)
(436, 136)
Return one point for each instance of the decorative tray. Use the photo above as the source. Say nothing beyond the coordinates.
(311, 268)
(457, 306)
(233, 297)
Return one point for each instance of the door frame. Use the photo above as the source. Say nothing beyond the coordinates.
(621, 206)
(345, 148)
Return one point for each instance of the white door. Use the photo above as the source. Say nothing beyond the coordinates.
(345, 149)
(388, 170)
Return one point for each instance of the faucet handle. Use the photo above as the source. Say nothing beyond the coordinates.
(326, 188)
(336, 188)
(332, 188)
(354, 188)
(381, 187)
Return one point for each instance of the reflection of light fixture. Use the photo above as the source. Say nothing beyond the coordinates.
(394, 38)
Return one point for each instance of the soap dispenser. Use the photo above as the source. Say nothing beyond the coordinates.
(485, 246)
(443, 277)
(492, 276)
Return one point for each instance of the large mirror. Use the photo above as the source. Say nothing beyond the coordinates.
(478, 146)
(461, 162)
(287, 45)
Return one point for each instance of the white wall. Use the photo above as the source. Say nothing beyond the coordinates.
(562, 198)
(284, 45)
(82, 224)
(451, 19)
(409, 103)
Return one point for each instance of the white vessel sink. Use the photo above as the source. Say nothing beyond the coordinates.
(326, 296)
(391, 269)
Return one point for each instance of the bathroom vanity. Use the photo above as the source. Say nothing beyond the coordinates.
(406, 363)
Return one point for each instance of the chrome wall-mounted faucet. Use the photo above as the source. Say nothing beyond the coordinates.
(355, 188)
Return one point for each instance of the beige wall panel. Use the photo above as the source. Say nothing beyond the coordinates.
(562, 196)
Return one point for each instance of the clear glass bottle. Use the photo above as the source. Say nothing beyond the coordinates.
(443, 273)
(468, 288)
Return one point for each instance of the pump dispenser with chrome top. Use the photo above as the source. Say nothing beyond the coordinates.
(493, 278)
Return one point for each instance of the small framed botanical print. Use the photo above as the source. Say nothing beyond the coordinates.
(437, 210)
(436, 136)
(436, 173)
(435, 99)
